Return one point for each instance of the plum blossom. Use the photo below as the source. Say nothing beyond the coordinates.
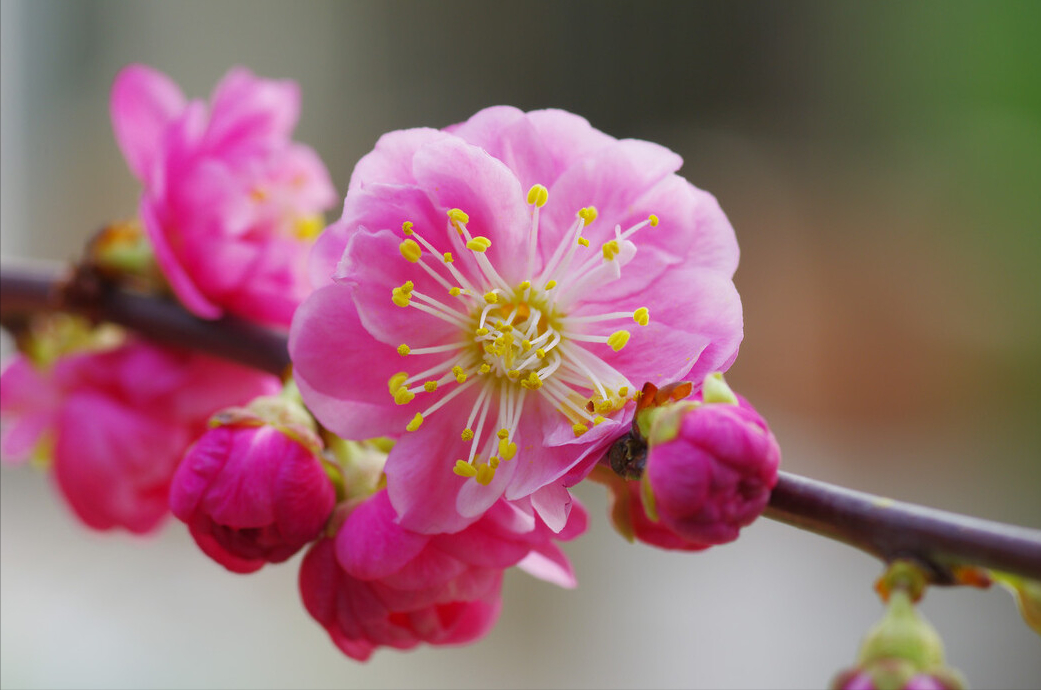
(496, 293)
(377, 584)
(230, 202)
(253, 489)
(115, 423)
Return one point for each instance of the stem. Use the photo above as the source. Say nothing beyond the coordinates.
(889, 529)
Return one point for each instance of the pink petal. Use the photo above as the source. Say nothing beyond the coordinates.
(547, 562)
(612, 179)
(371, 544)
(553, 504)
(143, 103)
(506, 133)
(567, 137)
(248, 113)
(459, 175)
(375, 267)
(390, 162)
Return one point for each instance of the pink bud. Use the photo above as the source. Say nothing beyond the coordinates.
(252, 494)
(378, 584)
(715, 475)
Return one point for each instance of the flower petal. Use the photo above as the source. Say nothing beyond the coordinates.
(371, 544)
(144, 101)
(390, 161)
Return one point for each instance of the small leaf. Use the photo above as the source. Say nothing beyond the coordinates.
(1027, 594)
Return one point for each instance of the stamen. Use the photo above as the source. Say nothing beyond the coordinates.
(415, 423)
(479, 244)
(464, 469)
(410, 250)
(396, 381)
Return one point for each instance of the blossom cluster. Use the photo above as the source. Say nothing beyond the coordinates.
(500, 306)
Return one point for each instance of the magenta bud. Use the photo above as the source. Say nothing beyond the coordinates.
(252, 492)
(711, 464)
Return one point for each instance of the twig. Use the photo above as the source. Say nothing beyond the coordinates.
(939, 540)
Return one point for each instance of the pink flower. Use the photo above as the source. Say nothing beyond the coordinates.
(230, 202)
(378, 584)
(253, 492)
(711, 464)
(476, 293)
(118, 422)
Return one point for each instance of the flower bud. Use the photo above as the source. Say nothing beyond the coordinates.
(711, 464)
(253, 489)
(901, 652)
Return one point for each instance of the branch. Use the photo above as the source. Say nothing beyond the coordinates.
(939, 540)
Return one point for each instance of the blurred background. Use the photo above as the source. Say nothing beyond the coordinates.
(881, 164)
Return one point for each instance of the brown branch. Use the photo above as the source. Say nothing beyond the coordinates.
(937, 539)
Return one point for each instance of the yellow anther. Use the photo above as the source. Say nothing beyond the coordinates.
(610, 249)
(604, 406)
(458, 216)
(460, 378)
(598, 420)
(457, 370)
(396, 380)
(404, 349)
(505, 327)
(448, 258)
(410, 250)
(403, 396)
(579, 429)
(485, 474)
(430, 386)
(525, 345)
(415, 423)
(485, 368)
(455, 292)
(513, 374)
(507, 449)
(481, 331)
(551, 284)
(491, 297)
(618, 339)
(534, 382)
(642, 317)
(623, 391)
(406, 227)
(479, 244)
(538, 195)
(400, 297)
(464, 469)
(493, 462)
(467, 434)
(583, 241)
(654, 220)
(407, 287)
(588, 214)
(524, 286)
(308, 227)
(540, 353)
(503, 433)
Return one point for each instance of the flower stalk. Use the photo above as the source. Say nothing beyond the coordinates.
(937, 540)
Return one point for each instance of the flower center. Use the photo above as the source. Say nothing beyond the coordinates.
(516, 341)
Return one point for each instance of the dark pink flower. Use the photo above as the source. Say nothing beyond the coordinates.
(477, 297)
(711, 464)
(230, 203)
(117, 423)
(378, 584)
(252, 492)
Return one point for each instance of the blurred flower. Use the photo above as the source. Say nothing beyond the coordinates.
(116, 422)
(711, 462)
(230, 203)
(496, 261)
(253, 489)
(901, 652)
(378, 584)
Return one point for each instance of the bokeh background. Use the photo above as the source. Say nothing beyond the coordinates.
(881, 164)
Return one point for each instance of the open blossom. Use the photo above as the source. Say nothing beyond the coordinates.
(377, 584)
(253, 490)
(230, 203)
(115, 423)
(496, 293)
